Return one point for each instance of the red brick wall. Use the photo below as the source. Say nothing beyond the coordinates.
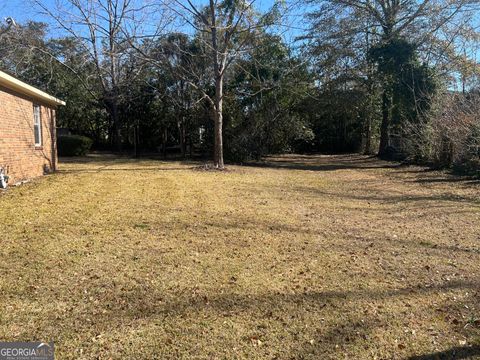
(18, 153)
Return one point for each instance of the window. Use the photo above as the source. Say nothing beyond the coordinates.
(37, 125)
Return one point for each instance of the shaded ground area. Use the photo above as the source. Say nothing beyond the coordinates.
(296, 257)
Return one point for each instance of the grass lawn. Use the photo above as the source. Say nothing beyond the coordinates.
(321, 257)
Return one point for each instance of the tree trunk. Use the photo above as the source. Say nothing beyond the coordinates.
(218, 118)
(181, 135)
(367, 150)
(117, 132)
(219, 60)
(385, 127)
(135, 140)
(190, 143)
(164, 142)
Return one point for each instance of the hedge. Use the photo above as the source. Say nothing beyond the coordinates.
(73, 145)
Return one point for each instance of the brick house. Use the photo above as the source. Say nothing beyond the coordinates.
(27, 130)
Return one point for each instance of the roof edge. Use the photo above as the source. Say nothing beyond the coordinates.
(13, 83)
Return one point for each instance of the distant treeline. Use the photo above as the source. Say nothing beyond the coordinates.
(397, 79)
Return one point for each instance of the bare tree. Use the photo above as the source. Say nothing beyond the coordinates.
(451, 137)
(98, 26)
(176, 52)
(224, 30)
(381, 21)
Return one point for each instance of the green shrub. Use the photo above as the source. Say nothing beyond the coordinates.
(73, 145)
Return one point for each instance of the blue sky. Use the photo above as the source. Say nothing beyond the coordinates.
(24, 10)
(19, 10)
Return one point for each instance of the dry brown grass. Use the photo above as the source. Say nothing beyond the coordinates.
(300, 258)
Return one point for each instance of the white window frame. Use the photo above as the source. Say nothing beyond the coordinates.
(37, 125)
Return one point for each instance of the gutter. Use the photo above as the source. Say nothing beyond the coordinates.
(19, 86)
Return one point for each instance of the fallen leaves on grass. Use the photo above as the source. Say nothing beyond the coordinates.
(302, 257)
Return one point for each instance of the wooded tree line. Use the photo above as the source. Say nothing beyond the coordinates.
(398, 78)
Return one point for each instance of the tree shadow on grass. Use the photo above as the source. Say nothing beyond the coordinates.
(97, 163)
(95, 158)
(350, 331)
(324, 163)
(456, 353)
(126, 303)
(275, 226)
(132, 170)
(322, 299)
(449, 179)
(386, 198)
